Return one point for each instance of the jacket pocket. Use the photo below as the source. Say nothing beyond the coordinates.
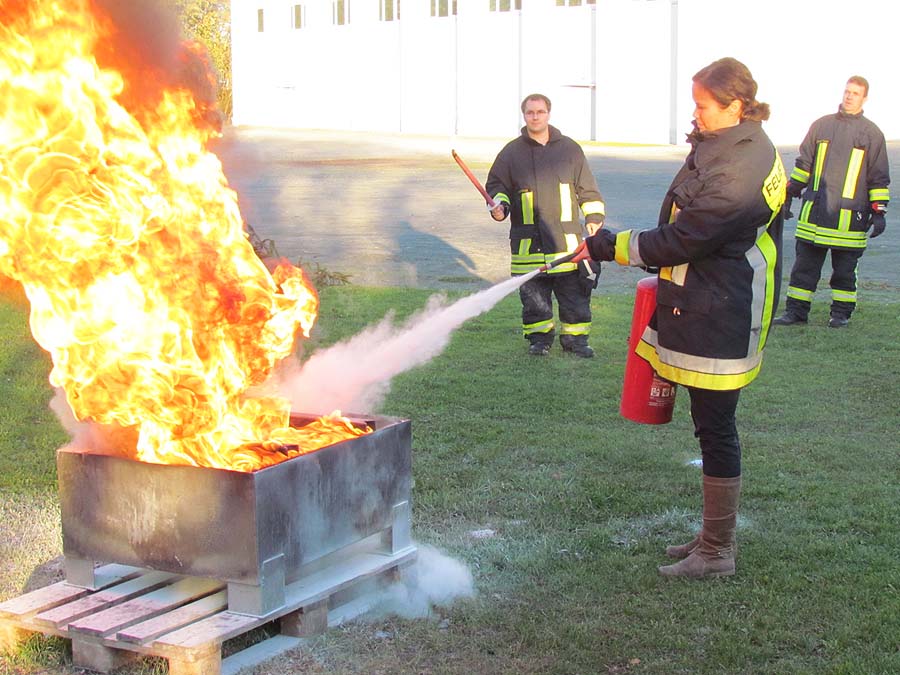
(678, 298)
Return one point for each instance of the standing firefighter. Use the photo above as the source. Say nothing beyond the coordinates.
(717, 247)
(541, 179)
(842, 176)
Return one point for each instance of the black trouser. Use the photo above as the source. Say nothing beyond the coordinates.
(805, 277)
(574, 298)
(713, 413)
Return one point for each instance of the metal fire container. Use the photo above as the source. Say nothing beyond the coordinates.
(256, 531)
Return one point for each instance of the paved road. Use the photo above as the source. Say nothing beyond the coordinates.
(395, 210)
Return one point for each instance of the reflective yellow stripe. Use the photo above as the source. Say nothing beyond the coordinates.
(843, 296)
(575, 329)
(827, 236)
(622, 250)
(821, 151)
(539, 327)
(799, 293)
(799, 174)
(853, 167)
(702, 379)
(528, 208)
(501, 197)
(565, 203)
(879, 195)
(844, 220)
(665, 273)
(591, 208)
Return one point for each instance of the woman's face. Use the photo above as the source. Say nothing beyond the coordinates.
(711, 116)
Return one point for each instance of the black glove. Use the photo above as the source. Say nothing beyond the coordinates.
(876, 222)
(602, 246)
(786, 209)
(794, 189)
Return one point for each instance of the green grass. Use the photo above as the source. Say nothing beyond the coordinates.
(583, 503)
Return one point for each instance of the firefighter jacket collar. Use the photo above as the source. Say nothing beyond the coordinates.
(849, 116)
(555, 135)
(709, 145)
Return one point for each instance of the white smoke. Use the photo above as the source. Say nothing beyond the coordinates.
(355, 375)
(437, 581)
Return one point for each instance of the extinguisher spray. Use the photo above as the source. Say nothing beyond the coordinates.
(646, 397)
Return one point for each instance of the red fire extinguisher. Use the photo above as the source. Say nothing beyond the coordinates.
(646, 397)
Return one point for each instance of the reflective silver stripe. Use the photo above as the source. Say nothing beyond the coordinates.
(701, 364)
(821, 151)
(565, 203)
(853, 167)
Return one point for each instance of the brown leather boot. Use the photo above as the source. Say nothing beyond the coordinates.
(682, 551)
(714, 554)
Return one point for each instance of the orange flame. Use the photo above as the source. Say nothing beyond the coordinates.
(128, 242)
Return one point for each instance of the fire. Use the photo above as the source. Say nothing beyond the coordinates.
(121, 228)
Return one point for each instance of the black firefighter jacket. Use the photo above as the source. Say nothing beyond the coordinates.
(544, 187)
(844, 164)
(718, 247)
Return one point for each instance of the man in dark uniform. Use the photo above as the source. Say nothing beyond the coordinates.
(842, 175)
(542, 179)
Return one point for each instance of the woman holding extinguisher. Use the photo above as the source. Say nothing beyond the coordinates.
(718, 250)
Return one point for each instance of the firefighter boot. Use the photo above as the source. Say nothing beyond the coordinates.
(540, 345)
(714, 554)
(577, 345)
(795, 312)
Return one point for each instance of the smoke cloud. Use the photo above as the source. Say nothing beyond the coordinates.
(355, 375)
(438, 581)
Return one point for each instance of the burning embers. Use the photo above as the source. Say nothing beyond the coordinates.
(119, 224)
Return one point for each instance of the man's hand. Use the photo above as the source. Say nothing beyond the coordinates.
(593, 228)
(602, 246)
(499, 212)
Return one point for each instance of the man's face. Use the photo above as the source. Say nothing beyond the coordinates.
(854, 97)
(537, 117)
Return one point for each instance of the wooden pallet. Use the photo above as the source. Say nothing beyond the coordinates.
(185, 620)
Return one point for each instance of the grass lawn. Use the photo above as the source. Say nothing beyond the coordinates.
(582, 504)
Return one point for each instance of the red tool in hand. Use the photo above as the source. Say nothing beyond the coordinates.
(579, 254)
(471, 176)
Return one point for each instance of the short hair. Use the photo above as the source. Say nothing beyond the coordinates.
(535, 97)
(861, 81)
(727, 80)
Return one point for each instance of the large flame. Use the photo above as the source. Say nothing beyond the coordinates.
(121, 228)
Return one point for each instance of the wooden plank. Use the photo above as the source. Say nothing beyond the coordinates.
(214, 629)
(178, 618)
(56, 594)
(61, 616)
(144, 607)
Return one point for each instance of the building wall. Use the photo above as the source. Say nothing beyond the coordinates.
(619, 70)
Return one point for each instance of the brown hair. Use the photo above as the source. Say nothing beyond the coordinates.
(727, 80)
(535, 97)
(857, 79)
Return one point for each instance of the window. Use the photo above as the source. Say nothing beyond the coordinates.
(259, 21)
(443, 7)
(389, 10)
(298, 19)
(506, 5)
(574, 3)
(340, 12)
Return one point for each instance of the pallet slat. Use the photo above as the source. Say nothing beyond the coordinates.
(61, 616)
(144, 607)
(145, 631)
(56, 594)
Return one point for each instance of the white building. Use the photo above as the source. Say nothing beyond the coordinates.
(615, 70)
